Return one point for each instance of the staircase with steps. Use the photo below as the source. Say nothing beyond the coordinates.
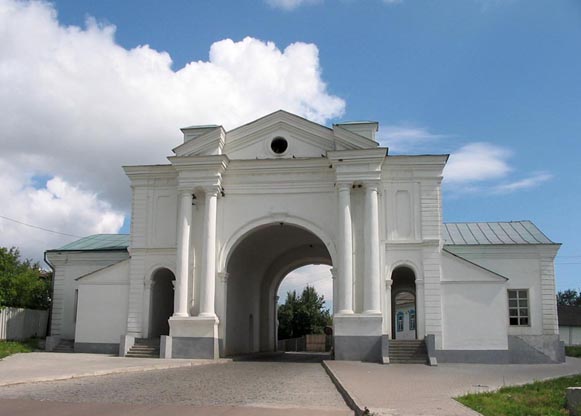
(407, 352)
(144, 348)
(65, 346)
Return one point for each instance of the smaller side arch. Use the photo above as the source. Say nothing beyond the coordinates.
(400, 264)
(161, 301)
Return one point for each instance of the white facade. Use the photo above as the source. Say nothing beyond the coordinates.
(234, 212)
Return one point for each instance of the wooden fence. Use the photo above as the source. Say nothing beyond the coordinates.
(19, 324)
(309, 343)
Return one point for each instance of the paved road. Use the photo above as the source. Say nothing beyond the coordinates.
(419, 390)
(277, 384)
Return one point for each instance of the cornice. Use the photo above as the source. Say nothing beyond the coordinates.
(352, 140)
(214, 139)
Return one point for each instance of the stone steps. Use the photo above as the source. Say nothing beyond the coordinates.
(144, 348)
(408, 352)
(65, 346)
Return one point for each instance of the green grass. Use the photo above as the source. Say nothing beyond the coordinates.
(541, 398)
(12, 347)
(574, 351)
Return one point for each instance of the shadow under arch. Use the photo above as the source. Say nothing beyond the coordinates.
(256, 266)
(161, 301)
(241, 233)
(403, 302)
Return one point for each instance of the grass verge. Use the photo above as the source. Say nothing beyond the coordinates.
(546, 398)
(573, 351)
(12, 347)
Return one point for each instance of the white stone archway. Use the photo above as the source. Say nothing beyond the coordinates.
(256, 266)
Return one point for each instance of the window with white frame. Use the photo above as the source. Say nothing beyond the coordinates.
(412, 320)
(518, 307)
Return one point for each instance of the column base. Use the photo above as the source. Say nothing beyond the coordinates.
(194, 337)
(357, 337)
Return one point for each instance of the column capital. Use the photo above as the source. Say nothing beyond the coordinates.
(371, 185)
(344, 185)
(419, 282)
(388, 283)
(211, 190)
(186, 192)
(223, 276)
(334, 272)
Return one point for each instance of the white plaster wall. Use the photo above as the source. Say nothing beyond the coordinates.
(521, 265)
(68, 267)
(570, 335)
(474, 316)
(475, 307)
(102, 313)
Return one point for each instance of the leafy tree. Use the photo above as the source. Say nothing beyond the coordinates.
(302, 315)
(22, 282)
(569, 297)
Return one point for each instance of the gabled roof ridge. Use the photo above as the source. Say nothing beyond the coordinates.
(279, 111)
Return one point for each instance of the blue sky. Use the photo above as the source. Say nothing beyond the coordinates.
(448, 74)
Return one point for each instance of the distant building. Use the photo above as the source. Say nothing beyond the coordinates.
(570, 324)
(216, 230)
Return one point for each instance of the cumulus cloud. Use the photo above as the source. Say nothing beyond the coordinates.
(57, 205)
(76, 106)
(477, 162)
(317, 276)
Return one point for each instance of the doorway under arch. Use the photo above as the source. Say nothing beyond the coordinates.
(403, 304)
(162, 302)
(256, 267)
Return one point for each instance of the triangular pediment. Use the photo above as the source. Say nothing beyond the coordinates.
(299, 137)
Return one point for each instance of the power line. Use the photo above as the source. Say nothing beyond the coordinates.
(39, 228)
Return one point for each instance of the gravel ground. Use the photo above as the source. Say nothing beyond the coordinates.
(279, 383)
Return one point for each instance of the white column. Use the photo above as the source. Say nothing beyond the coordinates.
(335, 290)
(371, 284)
(420, 310)
(345, 244)
(183, 251)
(208, 281)
(388, 318)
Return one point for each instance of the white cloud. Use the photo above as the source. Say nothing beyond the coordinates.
(476, 162)
(317, 276)
(485, 168)
(407, 138)
(532, 181)
(290, 4)
(76, 106)
(57, 206)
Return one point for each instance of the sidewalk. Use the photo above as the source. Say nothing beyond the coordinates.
(47, 366)
(420, 390)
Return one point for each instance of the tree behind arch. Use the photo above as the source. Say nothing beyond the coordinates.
(302, 315)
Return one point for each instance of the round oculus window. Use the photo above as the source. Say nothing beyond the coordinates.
(279, 145)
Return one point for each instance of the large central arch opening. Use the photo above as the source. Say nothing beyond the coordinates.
(256, 267)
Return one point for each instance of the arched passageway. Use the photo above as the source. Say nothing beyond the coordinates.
(403, 303)
(256, 267)
(162, 302)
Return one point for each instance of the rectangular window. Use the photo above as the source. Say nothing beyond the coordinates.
(518, 307)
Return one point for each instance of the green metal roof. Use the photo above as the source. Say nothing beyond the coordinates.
(490, 233)
(98, 242)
